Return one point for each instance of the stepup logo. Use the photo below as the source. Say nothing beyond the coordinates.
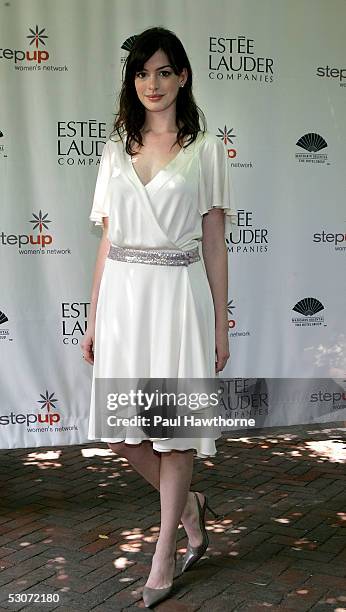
(45, 418)
(234, 58)
(48, 416)
(336, 74)
(40, 239)
(233, 323)
(227, 136)
(333, 239)
(312, 144)
(34, 58)
(230, 308)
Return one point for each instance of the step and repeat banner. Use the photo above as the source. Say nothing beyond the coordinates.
(270, 77)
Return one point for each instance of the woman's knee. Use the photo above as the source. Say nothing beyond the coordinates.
(117, 447)
(123, 449)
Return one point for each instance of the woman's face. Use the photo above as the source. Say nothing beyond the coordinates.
(158, 79)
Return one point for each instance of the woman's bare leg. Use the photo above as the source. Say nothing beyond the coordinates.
(147, 463)
(175, 480)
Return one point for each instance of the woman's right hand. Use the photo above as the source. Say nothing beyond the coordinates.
(87, 345)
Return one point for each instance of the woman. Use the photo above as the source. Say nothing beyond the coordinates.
(162, 193)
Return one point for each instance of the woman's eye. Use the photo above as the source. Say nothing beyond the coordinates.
(165, 73)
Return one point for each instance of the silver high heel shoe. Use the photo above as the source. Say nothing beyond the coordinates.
(151, 597)
(193, 554)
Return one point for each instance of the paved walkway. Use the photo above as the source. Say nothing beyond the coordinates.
(79, 524)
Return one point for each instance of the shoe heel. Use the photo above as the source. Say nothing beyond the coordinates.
(215, 515)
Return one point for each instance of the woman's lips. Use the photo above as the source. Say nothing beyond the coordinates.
(154, 97)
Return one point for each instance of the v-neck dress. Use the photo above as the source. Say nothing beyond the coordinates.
(158, 321)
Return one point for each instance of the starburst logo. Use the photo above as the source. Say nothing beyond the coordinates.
(37, 36)
(40, 221)
(226, 135)
(230, 307)
(48, 401)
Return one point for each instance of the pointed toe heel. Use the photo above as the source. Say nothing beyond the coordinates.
(152, 597)
(194, 554)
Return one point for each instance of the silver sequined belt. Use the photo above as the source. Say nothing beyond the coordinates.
(162, 257)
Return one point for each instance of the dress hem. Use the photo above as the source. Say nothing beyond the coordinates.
(157, 447)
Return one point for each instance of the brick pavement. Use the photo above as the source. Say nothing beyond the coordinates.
(78, 523)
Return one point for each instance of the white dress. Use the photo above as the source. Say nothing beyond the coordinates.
(157, 321)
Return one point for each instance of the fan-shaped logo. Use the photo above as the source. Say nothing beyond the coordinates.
(4, 331)
(312, 143)
(3, 145)
(3, 318)
(127, 46)
(308, 307)
(129, 42)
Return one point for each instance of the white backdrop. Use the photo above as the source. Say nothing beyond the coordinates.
(267, 75)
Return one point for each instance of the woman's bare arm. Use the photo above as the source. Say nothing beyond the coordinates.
(216, 263)
(98, 271)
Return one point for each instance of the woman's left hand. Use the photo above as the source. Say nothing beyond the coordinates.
(221, 348)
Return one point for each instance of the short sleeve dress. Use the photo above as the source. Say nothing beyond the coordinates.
(156, 321)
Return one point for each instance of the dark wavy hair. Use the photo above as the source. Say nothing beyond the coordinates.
(131, 116)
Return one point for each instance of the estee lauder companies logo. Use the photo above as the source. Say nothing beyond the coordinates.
(80, 143)
(36, 242)
(249, 239)
(74, 321)
(234, 58)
